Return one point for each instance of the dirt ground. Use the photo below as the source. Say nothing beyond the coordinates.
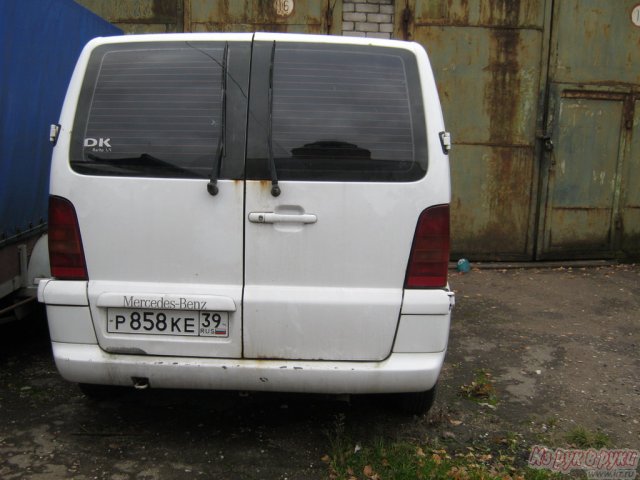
(560, 347)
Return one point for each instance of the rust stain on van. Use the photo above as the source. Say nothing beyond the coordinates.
(265, 185)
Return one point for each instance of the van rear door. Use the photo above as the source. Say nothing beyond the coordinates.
(164, 256)
(341, 128)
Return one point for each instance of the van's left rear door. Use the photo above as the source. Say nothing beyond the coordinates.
(164, 256)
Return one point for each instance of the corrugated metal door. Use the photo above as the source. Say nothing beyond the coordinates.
(487, 60)
(589, 174)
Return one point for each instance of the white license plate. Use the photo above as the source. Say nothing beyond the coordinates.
(168, 322)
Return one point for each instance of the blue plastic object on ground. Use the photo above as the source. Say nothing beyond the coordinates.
(464, 266)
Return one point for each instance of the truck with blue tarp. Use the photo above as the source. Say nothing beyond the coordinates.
(40, 43)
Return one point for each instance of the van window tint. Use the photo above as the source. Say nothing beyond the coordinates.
(150, 110)
(344, 112)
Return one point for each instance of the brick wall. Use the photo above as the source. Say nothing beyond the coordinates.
(367, 18)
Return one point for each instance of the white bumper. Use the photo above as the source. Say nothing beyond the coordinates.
(401, 372)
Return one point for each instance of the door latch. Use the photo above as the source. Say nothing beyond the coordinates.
(547, 143)
(445, 142)
(54, 132)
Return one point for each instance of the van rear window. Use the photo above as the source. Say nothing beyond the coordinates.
(148, 110)
(341, 113)
(334, 112)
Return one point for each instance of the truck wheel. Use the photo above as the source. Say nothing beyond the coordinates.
(417, 403)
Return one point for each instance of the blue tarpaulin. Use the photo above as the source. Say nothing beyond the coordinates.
(40, 41)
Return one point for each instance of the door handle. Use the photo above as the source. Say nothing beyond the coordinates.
(270, 217)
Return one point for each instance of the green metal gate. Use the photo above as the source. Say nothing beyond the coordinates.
(541, 98)
(591, 175)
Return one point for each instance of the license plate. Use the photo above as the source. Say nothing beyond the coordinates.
(168, 322)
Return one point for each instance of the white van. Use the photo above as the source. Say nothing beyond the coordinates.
(251, 212)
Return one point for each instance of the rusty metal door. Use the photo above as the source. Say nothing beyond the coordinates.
(582, 174)
(630, 195)
(487, 59)
(161, 16)
(590, 205)
(293, 16)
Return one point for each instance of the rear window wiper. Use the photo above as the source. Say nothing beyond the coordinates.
(275, 189)
(212, 186)
(142, 162)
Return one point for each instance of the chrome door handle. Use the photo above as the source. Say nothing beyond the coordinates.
(270, 217)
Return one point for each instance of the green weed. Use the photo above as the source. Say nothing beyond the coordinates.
(481, 389)
(410, 461)
(580, 437)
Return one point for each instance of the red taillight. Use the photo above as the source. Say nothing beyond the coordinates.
(429, 259)
(65, 245)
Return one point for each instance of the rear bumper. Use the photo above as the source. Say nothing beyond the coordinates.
(401, 372)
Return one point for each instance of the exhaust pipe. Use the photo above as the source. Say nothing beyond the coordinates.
(140, 383)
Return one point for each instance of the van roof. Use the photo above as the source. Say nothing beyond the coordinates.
(257, 36)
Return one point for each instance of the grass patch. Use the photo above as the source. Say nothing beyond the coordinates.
(580, 437)
(481, 389)
(380, 459)
(340, 444)
(410, 461)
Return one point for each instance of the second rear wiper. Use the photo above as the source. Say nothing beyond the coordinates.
(275, 189)
(212, 186)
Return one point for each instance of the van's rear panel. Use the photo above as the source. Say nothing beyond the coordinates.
(172, 152)
(164, 257)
